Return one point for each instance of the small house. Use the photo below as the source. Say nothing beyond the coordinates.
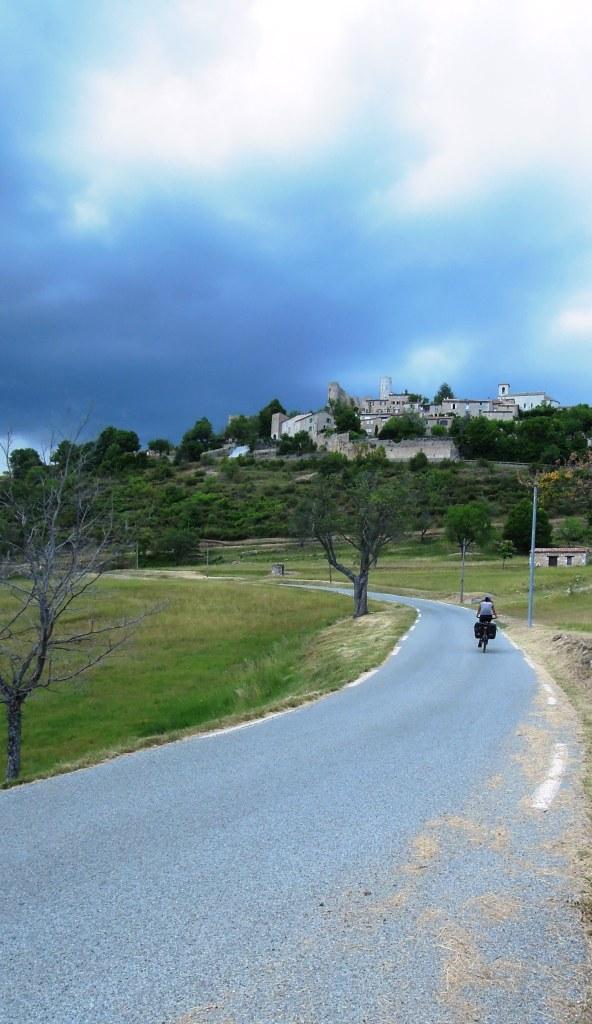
(552, 557)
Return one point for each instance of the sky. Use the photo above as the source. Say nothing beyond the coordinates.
(207, 205)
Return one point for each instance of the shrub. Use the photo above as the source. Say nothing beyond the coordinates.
(418, 462)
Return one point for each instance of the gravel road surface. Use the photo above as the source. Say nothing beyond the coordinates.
(373, 857)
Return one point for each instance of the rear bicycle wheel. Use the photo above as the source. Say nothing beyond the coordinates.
(485, 639)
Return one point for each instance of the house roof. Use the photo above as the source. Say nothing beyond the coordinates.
(561, 551)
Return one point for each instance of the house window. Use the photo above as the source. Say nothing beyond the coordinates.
(552, 561)
(569, 559)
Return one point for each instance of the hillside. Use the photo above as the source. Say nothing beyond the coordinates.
(167, 510)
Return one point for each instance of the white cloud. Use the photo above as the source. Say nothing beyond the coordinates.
(489, 90)
(88, 215)
(574, 323)
(562, 348)
(466, 94)
(267, 78)
(429, 361)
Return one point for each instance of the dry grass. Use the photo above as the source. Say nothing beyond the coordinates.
(495, 908)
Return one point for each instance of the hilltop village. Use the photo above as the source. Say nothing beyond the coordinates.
(429, 422)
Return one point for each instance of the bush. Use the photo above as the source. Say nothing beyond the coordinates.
(162, 471)
(418, 462)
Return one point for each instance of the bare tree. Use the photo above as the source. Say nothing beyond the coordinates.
(56, 543)
(357, 509)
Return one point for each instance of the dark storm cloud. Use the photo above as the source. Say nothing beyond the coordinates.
(183, 313)
(152, 294)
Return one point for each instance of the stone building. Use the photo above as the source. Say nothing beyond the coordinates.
(314, 423)
(526, 400)
(375, 412)
(553, 557)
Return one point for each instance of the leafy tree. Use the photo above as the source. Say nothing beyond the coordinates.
(406, 425)
(264, 417)
(427, 490)
(518, 526)
(476, 437)
(444, 391)
(438, 430)
(160, 445)
(505, 549)
(347, 418)
(21, 460)
(356, 508)
(243, 430)
(69, 451)
(195, 441)
(573, 530)
(176, 544)
(56, 544)
(115, 450)
(467, 525)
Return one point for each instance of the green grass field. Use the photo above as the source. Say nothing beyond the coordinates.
(222, 650)
(217, 652)
(563, 597)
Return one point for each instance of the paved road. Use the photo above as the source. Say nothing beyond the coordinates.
(374, 857)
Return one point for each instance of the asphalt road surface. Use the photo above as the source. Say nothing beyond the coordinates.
(396, 852)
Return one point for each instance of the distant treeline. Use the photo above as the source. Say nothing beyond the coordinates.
(542, 436)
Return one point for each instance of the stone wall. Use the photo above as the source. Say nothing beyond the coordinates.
(434, 448)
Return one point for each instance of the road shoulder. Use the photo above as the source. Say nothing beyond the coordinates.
(562, 661)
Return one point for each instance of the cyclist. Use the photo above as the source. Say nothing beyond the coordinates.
(486, 612)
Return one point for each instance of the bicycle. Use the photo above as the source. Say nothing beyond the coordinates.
(484, 632)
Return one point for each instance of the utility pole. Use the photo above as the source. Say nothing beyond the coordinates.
(462, 571)
(535, 491)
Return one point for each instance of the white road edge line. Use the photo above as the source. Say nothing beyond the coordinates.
(551, 698)
(545, 794)
(278, 714)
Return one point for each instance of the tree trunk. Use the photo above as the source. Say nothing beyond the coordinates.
(14, 714)
(360, 595)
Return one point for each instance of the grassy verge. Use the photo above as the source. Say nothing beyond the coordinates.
(567, 657)
(218, 653)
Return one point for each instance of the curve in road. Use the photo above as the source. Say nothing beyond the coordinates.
(374, 856)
